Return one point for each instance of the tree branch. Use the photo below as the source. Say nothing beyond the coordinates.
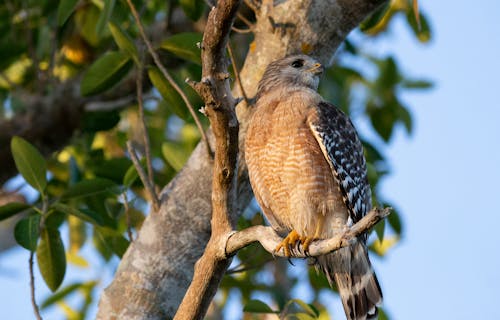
(219, 107)
(268, 238)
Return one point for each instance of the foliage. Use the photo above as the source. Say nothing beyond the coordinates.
(90, 187)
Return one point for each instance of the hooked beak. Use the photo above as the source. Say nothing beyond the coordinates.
(317, 69)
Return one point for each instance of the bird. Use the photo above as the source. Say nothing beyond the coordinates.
(308, 173)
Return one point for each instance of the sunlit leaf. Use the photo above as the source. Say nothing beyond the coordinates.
(27, 232)
(123, 41)
(30, 163)
(64, 10)
(257, 306)
(51, 258)
(174, 155)
(184, 45)
(105, 72)
(10, 209)
(91, 187)
(378, 20)
(381, 247)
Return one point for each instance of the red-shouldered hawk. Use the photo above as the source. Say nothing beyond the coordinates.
(308, 173)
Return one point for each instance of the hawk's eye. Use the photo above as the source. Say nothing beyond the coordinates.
(298, 63)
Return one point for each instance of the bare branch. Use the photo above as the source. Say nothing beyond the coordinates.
(219, 107)
(145, 135)
(237, 73)
(270, 240)
(167, 76)
(149, 188)
(32, 287)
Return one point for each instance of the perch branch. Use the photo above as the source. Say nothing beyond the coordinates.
(270, 240)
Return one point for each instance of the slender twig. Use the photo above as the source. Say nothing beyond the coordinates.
(238, 30)
(167, 76)
(127, 216)
(32, 288)
(245, 20)
(237, 73)
(145, 181)
(270, 240)
(145, 135)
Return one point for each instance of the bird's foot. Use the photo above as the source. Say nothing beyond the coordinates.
(288, 243)
(292, 241)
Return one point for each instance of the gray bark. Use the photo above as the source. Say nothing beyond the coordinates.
(157, 269)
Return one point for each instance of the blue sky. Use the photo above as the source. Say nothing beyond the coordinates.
(445, 177)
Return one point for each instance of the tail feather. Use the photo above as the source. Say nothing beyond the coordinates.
(358, 286)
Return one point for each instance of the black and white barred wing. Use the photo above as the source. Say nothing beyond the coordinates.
(342, 148)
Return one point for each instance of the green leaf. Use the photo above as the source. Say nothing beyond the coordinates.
(168, 93)
(423, 33)
(184, 45)
(395, 222)
(105, 72)
(84, 214)
(257, 306)
(51, 258)
(382, 119)
(10, 209)
(95, 121)
(130, 176)
(27, 232)
(310, 309)
(417, 84)
(104, 16)
(193, 8)
(115, 242)
(123, 41)
(405, 117)
(301, 316)
(64, 10)
(87, 188)
(174, 155)
(64, 292)
(10, 52)
(380, 230)
(30, 163)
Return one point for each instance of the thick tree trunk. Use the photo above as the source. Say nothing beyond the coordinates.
(157, 269)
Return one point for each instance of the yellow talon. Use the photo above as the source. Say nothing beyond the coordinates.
(290, 241)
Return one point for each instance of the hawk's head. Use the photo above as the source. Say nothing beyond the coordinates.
(292, 71)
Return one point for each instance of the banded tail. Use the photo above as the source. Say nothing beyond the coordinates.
(356, 281)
